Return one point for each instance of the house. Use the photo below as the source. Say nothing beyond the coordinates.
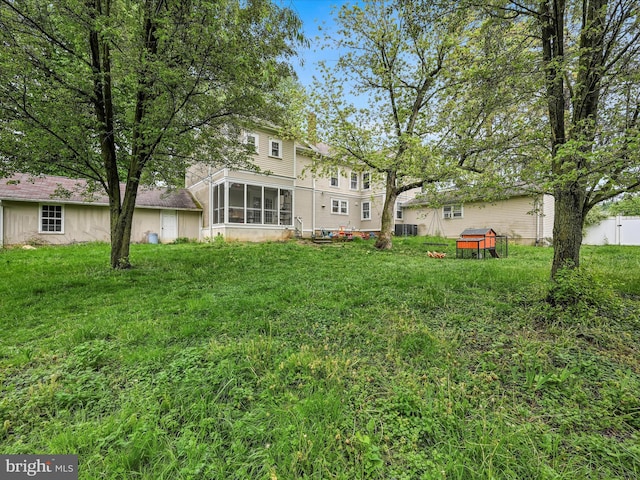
(54, 210)
(288, 199)
(524, 217)
(284, 198)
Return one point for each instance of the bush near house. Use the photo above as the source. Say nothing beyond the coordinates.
(291, 360)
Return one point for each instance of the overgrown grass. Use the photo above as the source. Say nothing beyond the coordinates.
(289, 360)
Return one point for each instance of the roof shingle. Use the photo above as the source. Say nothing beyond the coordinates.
(26, 187)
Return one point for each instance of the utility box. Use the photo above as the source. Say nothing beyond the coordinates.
(480, 243)
(405, 230)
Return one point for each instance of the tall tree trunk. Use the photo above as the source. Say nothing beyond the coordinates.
(570, 196)
(567, 227)
(121, 227)
(384, 241)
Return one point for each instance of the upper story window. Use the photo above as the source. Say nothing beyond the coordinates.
(252, 139)
(452, 211)
(275, 148)
(366, 181)
(335, 178)
(51, 219)
(354, 181)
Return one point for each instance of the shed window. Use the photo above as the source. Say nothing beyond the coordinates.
(51, 219)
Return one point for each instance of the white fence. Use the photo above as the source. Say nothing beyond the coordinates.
(614, 231)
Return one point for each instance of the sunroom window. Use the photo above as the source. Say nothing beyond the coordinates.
(252, 204)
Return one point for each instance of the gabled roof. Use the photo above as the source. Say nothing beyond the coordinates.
(24, 187)
(477, 232)
(449, 197)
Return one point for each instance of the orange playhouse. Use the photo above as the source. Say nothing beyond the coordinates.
(480, 242)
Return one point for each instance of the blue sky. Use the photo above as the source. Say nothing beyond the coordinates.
(313, 13)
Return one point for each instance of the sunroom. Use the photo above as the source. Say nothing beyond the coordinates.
(250, 207)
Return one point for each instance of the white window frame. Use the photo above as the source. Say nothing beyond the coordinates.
(257, 140)
(354, 176)
(366, 216)
(339, 206)
(455, 210)
(274, 141)
(334, 175)
(41, 217)
(366, 184)
(399, 212)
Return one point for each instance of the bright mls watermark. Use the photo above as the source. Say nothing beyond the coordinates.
(46, 467)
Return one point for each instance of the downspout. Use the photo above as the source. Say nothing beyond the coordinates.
(539, 209)
(210, 206)
(293, 193)
(313, 206)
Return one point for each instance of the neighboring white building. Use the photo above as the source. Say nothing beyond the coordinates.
(525, 218)
(619, 230)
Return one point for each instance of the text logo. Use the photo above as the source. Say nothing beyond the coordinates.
(45, 467)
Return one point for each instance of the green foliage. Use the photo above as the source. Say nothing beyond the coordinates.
(134, 92)
(629, 205)
(595, 216)
(335, 361)
(577, 295)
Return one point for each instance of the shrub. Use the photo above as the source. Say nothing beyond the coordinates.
(577, 293)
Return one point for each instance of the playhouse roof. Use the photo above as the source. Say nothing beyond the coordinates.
(477, 232)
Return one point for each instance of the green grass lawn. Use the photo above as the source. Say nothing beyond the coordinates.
(290, 360)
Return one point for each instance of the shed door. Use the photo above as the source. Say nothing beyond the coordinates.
(169, 220)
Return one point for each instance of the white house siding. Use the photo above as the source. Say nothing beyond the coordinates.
(618, 230)
(85, 223)
(303, 174)
(514, 217)
(277, 166)
(303, 209)
(81, 224)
